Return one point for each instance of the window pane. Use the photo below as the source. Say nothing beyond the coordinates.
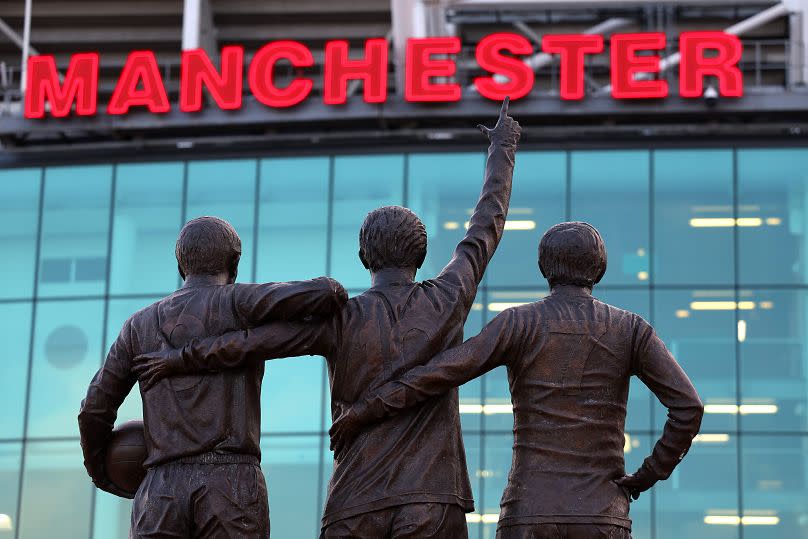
(75, 225)
(698, 327)
(443, 190)
(19, 216)
(772, 335)
(638, 413)
(470, 393)
(293, 383)
(9, 478)
(56, 492)
(635, 449)
(67, 352)
(293, 219)
(693, 216)
(291, 465)
(148, 215)
(226, 189)
(538, 202)
(701, 496)
(15, 333)
(472, 443)
(361, 184)
(112, 516)
(493, 477)
(772, 201)
(775, 486)
(610, 191)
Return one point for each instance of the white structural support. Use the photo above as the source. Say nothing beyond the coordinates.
(737, 29)
(198, 31)
(414, 18)
(798, 41)
(26, 45)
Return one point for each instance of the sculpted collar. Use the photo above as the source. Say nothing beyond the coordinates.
(392, 277)
(570, 290)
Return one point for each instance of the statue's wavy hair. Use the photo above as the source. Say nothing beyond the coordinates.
(207, 246)
(572, 253)
(392, 237)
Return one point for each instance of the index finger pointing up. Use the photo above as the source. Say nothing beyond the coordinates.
(504, 110)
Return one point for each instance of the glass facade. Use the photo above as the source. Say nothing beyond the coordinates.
(710, 245)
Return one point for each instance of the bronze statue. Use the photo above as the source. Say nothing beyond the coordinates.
(202, 431)
(569, 359)
(405, 477)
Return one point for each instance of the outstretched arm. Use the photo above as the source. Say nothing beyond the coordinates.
(472, 254)
(658, 370)
(107, 391)
(498, 342)
(233, 349)
(258, 304)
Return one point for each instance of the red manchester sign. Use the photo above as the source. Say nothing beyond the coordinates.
(429, 65)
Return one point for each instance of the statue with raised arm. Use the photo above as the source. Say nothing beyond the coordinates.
(201, 430)
(569, 359)
(405, 477)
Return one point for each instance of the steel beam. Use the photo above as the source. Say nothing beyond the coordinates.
(198, 31)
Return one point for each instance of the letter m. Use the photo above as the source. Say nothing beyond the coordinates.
(80, 86)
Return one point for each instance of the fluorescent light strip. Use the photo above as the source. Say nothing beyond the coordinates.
(746, 520)
(719, 222)
(722, 305)
(512, 225)
(485, 518)
(719, 438)
(498, 306)
(743, 409)
(487, 409)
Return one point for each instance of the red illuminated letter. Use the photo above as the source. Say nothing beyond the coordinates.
(140, 67)
(520, 76)
(695, 65)
(572, 48)
(339, 69)
(421, 67)
(626, 64)
(262, 74)
(80, 86)
(197, 71)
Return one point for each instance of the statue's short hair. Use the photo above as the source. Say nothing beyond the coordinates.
(207, 246)
(392, 237)
(572, 253)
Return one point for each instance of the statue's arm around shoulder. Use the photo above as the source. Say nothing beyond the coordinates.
(235, 349)
(472, 254)
(258, 304)
(498, 343)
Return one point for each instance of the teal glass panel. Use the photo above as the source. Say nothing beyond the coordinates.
(226, 189)
(443, 190)
(293, 383)
(638, 412)
(56, 491)
(775, 486)
(700, 498)
(147, 220)
(75, 230)
(698, 327)
(474, 462)
(10, 454)
(637, 446)
(19, 218)
(693, 217)
(15, 333)
(291, 465)
(68, 336)
(361, 184)
(293, 219)
(538, 201)
(610, 191)
(112, 516)
(772, 335)
(772, 205)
